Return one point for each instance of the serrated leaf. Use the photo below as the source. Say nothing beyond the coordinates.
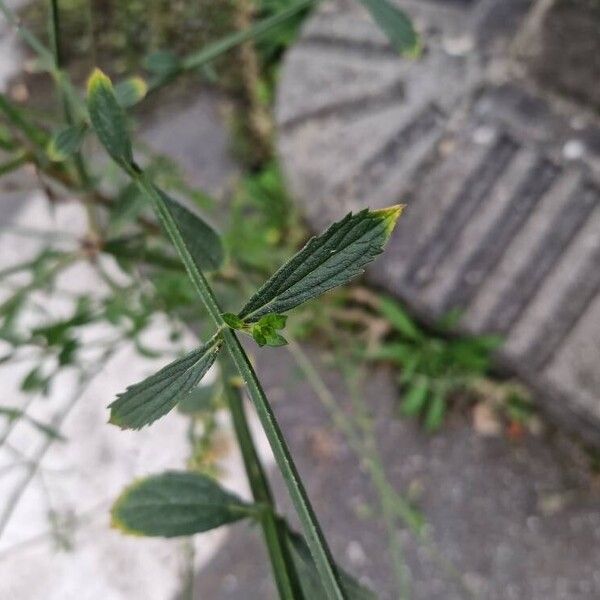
(108, 119)
(130, 91)
(327, 261)
(141, 404)
(233, 321)
(396, 25)
(259, 337)
(202, 241)
(274, 339)
(273, 321)
(176, 503)
(66, 142)
(309, 576)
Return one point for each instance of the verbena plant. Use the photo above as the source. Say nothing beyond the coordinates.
(186, 503)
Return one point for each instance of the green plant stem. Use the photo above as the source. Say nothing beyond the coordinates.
(46, 58)
(191, 62)
(312, 531)
(392, 506)
(80, 166)
(200, 58)
(284, 571)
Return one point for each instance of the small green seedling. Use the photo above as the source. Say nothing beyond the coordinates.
(265, 331)
(433, 366)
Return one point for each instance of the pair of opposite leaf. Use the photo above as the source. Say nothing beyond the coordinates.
(265, 331)
(325, 262)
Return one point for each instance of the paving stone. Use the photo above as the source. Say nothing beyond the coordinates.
(500, 174)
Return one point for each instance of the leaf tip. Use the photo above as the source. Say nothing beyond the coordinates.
(116, 518)
(97, 80)
(140, 85)
(115, 418)
(390, 216)
(53, 153)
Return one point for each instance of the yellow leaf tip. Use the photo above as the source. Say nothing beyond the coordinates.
(390, 216)
(119, 525)
(116, 522)
(97, 79)
(114, 419)
(140, 85)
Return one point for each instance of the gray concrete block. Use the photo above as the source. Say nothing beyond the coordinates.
(500, 176)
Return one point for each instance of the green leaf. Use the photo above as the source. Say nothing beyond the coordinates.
(162, 63)
(130, 91)
(409, 368)
(202, 241)
(436, 411)
(66, 142)
(34, 381)
(265, 331)
(108, 119)
(309, 577)
(68, 352)
(176, 503)
(414, 400)
(273, 321)
(396, 25)
(144, 402)
(259, 337)
(274, 339)
(398, 352)
(327, 261)
(199, 400)
(233, 321)
(399, 319)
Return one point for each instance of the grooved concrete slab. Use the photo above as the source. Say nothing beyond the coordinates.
(500, 175)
